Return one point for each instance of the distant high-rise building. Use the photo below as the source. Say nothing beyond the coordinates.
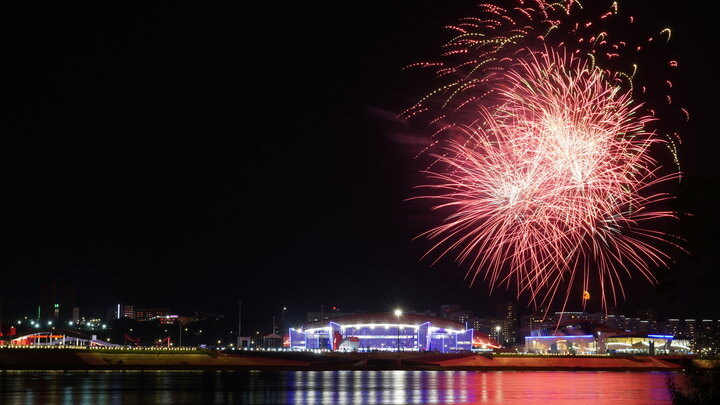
(488, 326)
(535, 321)
(508, 313)
(647, 326)
(632, 324)
(128, 311)
(57, 302)
(702, 334)
(648, 321)
(707, 337)
(121, 310)
(690, 330)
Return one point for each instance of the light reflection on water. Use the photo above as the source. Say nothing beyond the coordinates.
(331, 387)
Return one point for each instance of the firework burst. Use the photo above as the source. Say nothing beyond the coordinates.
(543, 157)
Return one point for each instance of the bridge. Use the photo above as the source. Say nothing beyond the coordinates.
(55, 338)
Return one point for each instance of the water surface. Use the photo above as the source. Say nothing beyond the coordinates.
(332, 387)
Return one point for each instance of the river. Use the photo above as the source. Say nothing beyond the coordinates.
(332, 387)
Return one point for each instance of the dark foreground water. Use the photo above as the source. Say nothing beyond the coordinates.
(332, 387)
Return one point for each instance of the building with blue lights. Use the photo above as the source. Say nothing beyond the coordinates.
(637, 343)
(589, 337)
(384, 332)
(572, 336)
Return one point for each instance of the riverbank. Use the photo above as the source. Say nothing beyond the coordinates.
(18, 359)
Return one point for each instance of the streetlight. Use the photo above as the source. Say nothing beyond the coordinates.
(398, 313)
(497, 334)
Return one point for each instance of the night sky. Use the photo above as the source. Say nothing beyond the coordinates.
(187, 156)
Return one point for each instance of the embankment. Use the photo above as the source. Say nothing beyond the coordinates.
(257, 360)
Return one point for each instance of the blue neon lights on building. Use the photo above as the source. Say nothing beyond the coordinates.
(382, 332)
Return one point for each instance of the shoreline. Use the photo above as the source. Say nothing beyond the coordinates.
(191, 360)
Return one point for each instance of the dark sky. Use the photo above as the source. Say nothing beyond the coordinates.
(188, 156)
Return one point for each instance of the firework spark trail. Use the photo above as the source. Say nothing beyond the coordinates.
(546, 165)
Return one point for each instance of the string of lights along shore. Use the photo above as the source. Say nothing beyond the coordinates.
(546, 150)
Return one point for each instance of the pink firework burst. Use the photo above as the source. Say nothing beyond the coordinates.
(551, 183)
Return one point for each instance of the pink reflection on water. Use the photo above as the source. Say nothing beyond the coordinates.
(558, 387)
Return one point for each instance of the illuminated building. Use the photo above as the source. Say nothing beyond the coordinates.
(534, 321)
(272, 341)
(632, 324)
(462, 316)
(129, 311)
(648, 326)
(646, 344)
(573, 336)
(693, 330)
(561, 344)
(615, 321)
(690, 330)
(508, 313)
(388, 332)
(145, 314)
(589, 337)
(487, 326)
(120, 311)
(673, 326)
(350, 344)
(708, 340)
(166, 319)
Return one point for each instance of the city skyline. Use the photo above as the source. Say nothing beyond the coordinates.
(507, 327)
(190, 166)
(508, 324)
